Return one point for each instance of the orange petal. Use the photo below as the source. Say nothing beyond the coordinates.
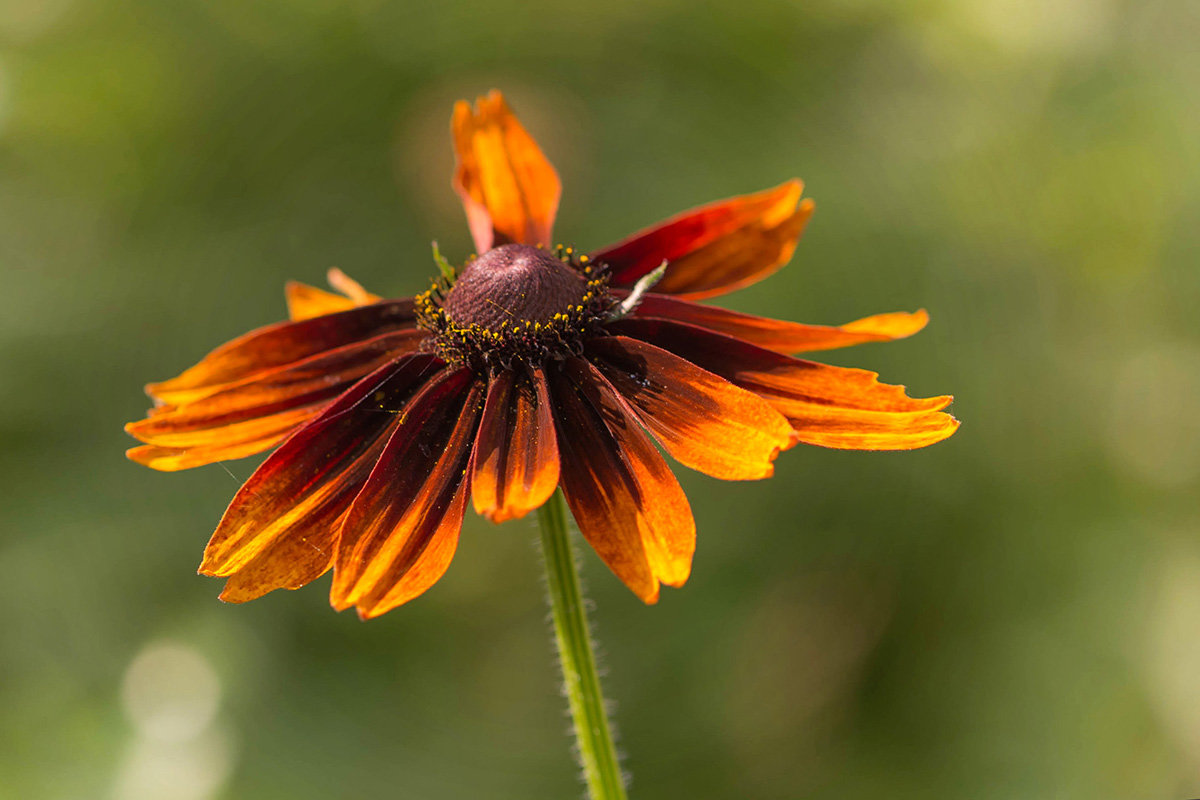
(289, 562)
(621, 492)
(828, 406)
(306, 302)
(703, 420)
(280, 344)
(234, 442)
(508, 188)
(516, 452)
(401, 531)
(715, 248)
(290, 506)
(350, 287)
(784, 337)
(240, 420)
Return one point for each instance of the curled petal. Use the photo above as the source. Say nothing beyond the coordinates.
(280, 528)
(703, 420)
(509, 190)
(828, 406)
(400, 533)
(784, 337)
(251, 415)
(306, 302)
(274, 346)
(621, 492)
(716, 248)
(516, 452)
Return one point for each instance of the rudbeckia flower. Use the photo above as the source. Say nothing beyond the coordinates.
(532, 367)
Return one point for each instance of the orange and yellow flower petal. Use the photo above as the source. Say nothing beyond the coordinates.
(702, 420)
(509, 189)
(268, 348)
(516, 453)
(716, 248)
(402, 529)
(779, 335)
(289, 562)
(253, 414)
(621, 492)
(828, 406)
(306, 302)
(280, 529)
(225, 444)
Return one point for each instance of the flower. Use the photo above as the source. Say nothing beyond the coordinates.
(534, 367)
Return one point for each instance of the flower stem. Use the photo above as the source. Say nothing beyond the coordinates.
(593, 733)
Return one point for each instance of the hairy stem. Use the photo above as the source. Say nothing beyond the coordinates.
(593, 733)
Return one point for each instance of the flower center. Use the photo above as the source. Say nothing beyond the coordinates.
(512, 284)
(516, 303)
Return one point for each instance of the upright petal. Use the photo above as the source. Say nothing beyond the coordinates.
(716, 248)
(828, 406)
(280, 529)
(283, 343)
(401, 532)
(508, 188)
(621, 492)
(250, 415)
(516, 452)
(306, 302)
(703, 420)
(784, 337)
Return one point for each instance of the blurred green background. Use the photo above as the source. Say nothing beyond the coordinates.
(1012, 614)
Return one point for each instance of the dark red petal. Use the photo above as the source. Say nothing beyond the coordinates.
(516, 452)
(280, 344)
(715, 248)
(508, 188)
(250, 415)
(828, 406)
(703, 420)
(784, 337)
(300, 491)
(621, 492)
(400, 533)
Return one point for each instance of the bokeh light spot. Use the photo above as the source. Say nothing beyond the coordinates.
(170, 692)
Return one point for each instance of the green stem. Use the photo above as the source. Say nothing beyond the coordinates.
(593, 733)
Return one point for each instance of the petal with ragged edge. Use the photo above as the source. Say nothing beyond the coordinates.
(401, 532)
(516, 452)
(716, 248)
(509, 189)
(621, 492)
(701, 419)
(828, 406)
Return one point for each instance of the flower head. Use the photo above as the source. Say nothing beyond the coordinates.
(532, 367)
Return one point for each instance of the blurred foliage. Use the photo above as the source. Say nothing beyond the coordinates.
(1012, 614)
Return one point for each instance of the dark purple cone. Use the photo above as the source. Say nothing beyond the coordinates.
(512, 284)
